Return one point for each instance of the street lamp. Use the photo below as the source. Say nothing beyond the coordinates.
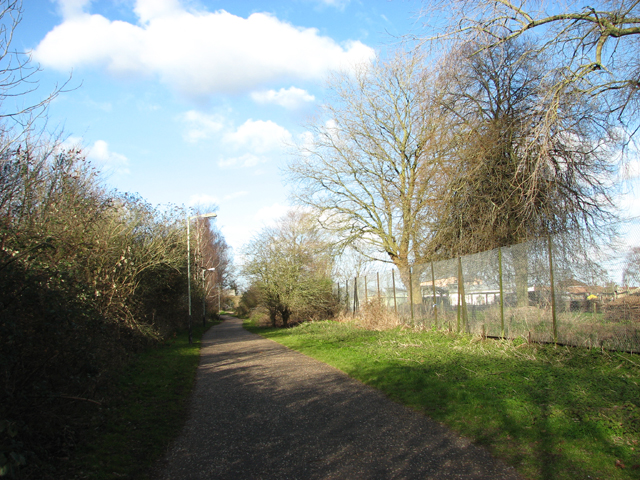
(204, 296)
(219, 288)
(204, 215)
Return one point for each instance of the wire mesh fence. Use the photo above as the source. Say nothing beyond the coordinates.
(556, 289)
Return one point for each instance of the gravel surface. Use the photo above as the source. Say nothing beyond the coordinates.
(262, 411)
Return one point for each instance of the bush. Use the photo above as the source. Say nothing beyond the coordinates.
(87, 278)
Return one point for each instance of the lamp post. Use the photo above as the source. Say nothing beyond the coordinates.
(204, 215)
(219, 290)
(204, 297)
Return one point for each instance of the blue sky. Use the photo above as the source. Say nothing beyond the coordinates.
(191, 102)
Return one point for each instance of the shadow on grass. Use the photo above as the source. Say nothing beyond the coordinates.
(146, 414)
(552, 413)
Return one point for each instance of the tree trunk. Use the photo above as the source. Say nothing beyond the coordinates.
(285, 313)
(272, 316)
(412, 283)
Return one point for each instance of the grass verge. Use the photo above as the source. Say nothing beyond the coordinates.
(147, 414)
(552, 413)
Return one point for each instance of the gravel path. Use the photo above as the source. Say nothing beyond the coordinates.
(262, 411)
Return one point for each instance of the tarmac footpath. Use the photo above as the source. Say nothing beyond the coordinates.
(262, 411)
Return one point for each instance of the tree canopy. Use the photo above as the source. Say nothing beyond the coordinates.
(289, 265)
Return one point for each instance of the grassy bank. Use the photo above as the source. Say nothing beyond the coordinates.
(147, 414)
(553, 413)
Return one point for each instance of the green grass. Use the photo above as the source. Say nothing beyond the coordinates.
(553, 413)
(147, 415)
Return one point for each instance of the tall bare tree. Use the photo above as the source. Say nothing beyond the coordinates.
(505, 187)
(505, 184)
(372, 163)
(213, 262)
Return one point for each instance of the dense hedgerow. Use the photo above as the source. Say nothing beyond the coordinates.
(87, 277)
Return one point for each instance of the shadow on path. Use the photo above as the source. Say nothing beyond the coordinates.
(260, 410)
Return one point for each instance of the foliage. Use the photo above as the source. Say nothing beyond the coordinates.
(550, 412)
(86, 278)
(289, 266)
(249, 301)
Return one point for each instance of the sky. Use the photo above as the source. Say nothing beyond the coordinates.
(193, 102)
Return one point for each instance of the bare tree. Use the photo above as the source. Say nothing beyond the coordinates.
(371, 165)
(504, 186)
(18, 79)
(290, 266)
(631, 272)
(213, 262)
(593, 47)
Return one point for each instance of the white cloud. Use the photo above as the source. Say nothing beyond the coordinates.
(148, 10)
(202, 199)
(306, 143)
(72, 8)
(235, 195)
(197, 53)
(247, 160)
(339, 4)
(631, 170)
(100, 155)
(259, 136)
(200, 126)
(269, 215)
(629, 203)
(290, 98)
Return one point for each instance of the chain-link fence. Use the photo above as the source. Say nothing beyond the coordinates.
(555, 289)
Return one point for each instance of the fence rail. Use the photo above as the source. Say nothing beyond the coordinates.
(554, 289)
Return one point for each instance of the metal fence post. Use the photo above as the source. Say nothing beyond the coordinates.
(435, 303)
(459, 306)
(355, 295)
(553, 292)
(346, 293)
(501, 293)
(411, 291)
(462, 302)
(393, 281)
(366, 294)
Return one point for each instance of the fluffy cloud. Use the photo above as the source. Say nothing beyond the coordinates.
(259, 136)
(268, 215)
(247, 160)
(339, 4)
(100, 155)
(631, 170)
(198, 53)
(234, 195)
(72, 8)
(290, 98)
(202, 200)
(200, 126)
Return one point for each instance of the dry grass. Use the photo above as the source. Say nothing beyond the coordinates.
(373, 315)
